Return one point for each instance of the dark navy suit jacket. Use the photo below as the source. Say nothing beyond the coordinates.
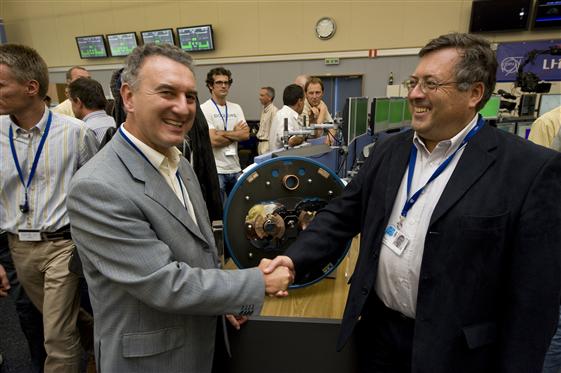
(490, 279)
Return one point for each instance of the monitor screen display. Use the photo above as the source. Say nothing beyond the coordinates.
(196, 38)
(499, 15)
(547, 14)
(91, 46)
(491, 108)
(164, 36)
(121, 45)
(379, 114)
(549, 102)
(397, 107)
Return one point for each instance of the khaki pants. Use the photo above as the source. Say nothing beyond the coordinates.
(42, 268)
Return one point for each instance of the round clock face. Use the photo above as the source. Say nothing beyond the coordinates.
(325, 28)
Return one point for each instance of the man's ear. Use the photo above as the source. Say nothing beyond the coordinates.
(127, 96)
(33, 88)
(476, 94)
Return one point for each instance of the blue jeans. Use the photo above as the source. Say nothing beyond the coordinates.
(227, 182)
(552, 362)
(30, 319)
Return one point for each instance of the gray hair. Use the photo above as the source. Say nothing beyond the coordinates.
(270, 92)
(478, 62)
(26, 65)
(134, 61)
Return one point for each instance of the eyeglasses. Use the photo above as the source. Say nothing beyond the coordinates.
(425, 85)
(223, 82)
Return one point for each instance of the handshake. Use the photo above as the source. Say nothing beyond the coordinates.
(278, 274)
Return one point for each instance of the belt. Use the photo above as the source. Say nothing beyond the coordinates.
(60, 234)
(261, 140)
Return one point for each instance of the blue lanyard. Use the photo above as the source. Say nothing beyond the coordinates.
(147, 160)
(25, 207)
(225, 121)
(413, 158)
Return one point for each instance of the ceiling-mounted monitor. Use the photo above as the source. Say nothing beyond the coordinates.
(499, 15)
(91, 46)
(196, 38)
(547, 14)
(121, 45)
(163, 36)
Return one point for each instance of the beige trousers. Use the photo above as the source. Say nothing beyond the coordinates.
(42, 269)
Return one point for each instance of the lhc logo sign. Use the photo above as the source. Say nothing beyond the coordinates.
(510, 65)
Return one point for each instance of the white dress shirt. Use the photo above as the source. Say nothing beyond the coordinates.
(397, 281)
(167, 166)
(277, 127)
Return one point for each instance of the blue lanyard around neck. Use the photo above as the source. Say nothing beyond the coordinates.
(225, 121)
(413, 158)
(126, 138)
(25, 207)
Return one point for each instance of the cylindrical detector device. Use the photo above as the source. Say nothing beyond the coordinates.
(271, 204)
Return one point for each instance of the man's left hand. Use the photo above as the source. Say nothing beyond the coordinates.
(237, 321)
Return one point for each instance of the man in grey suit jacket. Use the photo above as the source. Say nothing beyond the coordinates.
(140, 224)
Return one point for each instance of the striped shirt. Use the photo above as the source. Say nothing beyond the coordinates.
(68, 146)
(99, 122)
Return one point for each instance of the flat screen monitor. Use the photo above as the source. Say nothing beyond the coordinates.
(547, 14)
(91, 46)
(379, 114)
(121, 45)
(549, 102)
(491, 108)
(397, 107)
(499, 15)
(196, 38)
(407, 117)
(164, 36)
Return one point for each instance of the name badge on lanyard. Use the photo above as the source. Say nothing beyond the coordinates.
(394, 238)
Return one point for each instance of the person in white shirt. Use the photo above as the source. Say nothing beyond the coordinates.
(88, 104)
(227, 126)
(293, 99)
(266, 97)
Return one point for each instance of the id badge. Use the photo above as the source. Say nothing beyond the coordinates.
(29, 235)
(231, 151)
(395, 240)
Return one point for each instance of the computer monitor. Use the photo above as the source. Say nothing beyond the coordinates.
(355, 117)
(196, 38)
(491, 108)
(163, 36)
(91, 46)
(121, 45)
(397, 107)
(407, 117)
(549, 102)
(379, 114)
(547, 14)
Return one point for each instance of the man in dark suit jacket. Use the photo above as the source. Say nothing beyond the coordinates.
(474, 285)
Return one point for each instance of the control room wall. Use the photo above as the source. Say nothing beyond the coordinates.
(242, 28)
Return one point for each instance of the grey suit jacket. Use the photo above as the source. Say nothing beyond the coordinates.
(153, 274)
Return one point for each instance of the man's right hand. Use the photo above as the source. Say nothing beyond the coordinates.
(277, 278)
(4, 282)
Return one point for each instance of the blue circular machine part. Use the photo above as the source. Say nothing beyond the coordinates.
(271, 204)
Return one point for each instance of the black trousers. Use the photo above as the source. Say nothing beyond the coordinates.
(384, 339)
